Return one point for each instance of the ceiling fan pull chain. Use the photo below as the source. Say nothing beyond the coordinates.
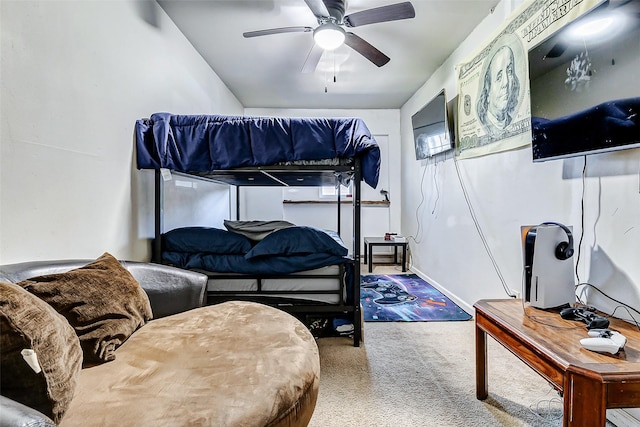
(325, 81)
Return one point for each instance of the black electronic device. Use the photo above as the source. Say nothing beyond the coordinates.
(548, 279)
(584, 89)
(432, 127)
(587, 315)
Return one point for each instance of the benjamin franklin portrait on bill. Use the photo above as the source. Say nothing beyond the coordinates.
(500, 87)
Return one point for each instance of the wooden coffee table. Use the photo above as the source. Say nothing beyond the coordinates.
(589, 382)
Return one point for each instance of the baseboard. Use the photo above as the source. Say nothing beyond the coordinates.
(462, 304)
(622, 418)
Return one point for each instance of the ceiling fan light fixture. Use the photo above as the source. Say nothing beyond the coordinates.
(329, 36)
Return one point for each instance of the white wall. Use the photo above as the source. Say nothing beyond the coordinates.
(507, 190)
(76, 75)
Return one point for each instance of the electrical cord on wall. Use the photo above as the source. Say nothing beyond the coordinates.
(435, 182)
(481, 234)
(579, 251)
(418, 238)
(585, 285)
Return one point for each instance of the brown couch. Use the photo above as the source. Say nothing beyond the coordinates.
(231, 364)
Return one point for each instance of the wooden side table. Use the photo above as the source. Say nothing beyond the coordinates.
(370, 242)
(589, 382)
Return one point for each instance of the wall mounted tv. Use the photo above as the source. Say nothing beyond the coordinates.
(585, 90)
(431, 132)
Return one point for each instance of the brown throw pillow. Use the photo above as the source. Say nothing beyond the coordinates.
(26, 322)
(103, 302)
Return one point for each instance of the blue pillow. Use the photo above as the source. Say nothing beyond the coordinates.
(299, 240)
(205, 239)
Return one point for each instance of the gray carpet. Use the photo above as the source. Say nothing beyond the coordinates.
(423, 374)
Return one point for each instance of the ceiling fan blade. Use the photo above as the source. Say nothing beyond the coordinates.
(392, 12)
(312, 60)
(557, 50)
(365, 49)
(318, 8)
(258, 33)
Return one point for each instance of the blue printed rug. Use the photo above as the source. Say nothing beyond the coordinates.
(405, 298)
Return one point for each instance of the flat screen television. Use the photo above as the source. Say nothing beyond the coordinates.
(431, 130)
(585, 89)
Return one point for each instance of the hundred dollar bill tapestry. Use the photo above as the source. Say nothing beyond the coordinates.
(494, 107)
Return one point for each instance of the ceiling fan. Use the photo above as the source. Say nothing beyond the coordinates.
(329, 34)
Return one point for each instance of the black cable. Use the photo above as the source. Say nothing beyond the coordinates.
(480, 233)
(417, 238)
(621, 304)
(584, 171)
(628, 312)
(435, 182)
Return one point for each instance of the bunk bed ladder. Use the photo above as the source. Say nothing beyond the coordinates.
(156, 250)
(357, 317)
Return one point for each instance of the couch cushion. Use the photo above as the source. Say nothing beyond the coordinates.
(232, 364)
(101, 300)
(27, 322)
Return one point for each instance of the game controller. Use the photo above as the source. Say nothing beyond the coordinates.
(587, 315)
(390, 293)
(604, 341)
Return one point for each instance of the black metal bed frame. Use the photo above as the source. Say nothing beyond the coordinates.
(293, 176)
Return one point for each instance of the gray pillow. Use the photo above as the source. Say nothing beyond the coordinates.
(256, 230)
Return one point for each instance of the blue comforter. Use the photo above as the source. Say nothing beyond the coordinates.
(207, 143)
(238, 264)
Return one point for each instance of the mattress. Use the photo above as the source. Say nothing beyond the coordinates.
(290, 283)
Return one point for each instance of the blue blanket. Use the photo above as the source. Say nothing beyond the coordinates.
(238, 264)
(207, 143)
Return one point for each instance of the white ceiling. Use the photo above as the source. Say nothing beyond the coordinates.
(265, 71)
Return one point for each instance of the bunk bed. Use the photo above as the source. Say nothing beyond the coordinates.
(267, 151)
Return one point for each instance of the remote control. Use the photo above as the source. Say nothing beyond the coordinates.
(604, 341)
(587, 315)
